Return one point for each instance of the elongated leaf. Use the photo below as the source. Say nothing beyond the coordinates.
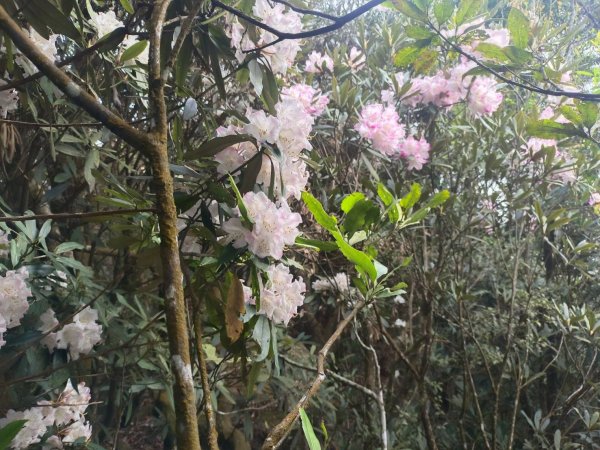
(325, 246)
(406, 56)
(250, 174)
(234, 308)
(589, 113)
(134, 50)
(351, 200)
(409, 9)
(309, 432)
(439, 199)
(467, 9)
(43, 14)
(548, 129)
(126, 4)
(443, 11)
(492, 51)
(518, 26)
(410, 199)
(384, 194)
(360, 259)
(316, 208)
(8, 433)
(215, 145)
(262, 335)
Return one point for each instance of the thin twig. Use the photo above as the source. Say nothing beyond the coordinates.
(80, 216)
(280, 431)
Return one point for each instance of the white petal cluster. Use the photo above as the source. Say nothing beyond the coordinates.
(67, 414)
(9, 101)
(281, 295)
(274, 226)
(13, 299)
(280, 56)
(46, 46)
(340, 283)
(79, 336)
(107, 22)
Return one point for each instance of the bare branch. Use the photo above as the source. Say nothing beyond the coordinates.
(307, 12)
(338, 22)
(529, 87)
(78, 216)
(280, 431)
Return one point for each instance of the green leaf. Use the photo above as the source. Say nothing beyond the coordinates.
(417, 32)
(316, 208)
(438, 199)
(548, 129)
(325, 246)
(212, 147)
(68, 247)
(384, 194)
(360, 259)
(42, 14)
(309, 432)
(589, 113)
(409, 9)
(183, 64)
(571, 114)
(134, 50)
(250, 174)
(240, 200)
(517, 55)
(262, 335)
(8, 433)
(126, 4)
(443, 11)
(363, 214)
(467, 9)
(406, 56)
(351, 200)
(410, 199)
(492, 51)
(518, 26)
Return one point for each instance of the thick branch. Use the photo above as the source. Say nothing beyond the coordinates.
(116, 37)
(80, 97)
(276, 436)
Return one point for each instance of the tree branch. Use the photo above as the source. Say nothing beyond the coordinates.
(78, 216)
(116, 37)
(532, 88)
(72, 90)
(277, 434)
(338, 22)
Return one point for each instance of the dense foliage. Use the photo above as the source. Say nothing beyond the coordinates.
(388, 228)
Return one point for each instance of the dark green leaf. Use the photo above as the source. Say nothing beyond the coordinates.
(215, 145)
(548, 129)
(134, 50)
(9, 431)
(325, 246)
(250, 174)
(43, 15)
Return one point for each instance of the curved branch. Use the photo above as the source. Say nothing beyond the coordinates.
(338, 22)
(277, 434)
(550, 92)
(116, 36)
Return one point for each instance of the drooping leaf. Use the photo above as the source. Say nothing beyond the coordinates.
(44, 16)
(234, 308)
(212, 147)
(309, 432)
(548, 129)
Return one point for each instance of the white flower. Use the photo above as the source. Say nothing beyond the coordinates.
(13, 296)
(190, 109)
(281, 295)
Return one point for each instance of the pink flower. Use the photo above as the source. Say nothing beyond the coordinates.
(416, 152)
(483, 98)
(594, 199)
(499, 37)
(380, 124)
(356, 59)
(317, 63)
(312, 100)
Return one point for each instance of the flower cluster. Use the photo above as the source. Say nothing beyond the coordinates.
(356, 59)
(289, 130)
(79, 336)
(274, 226)
(566, 173)
(380, 124)
(339, 283)
(9, 100)
(280, 56)
(444, 90)
(13, 299)
(318, 63)
(312, 100)
(66, 415)
(47, 46)
(281, 295)
(594, 199)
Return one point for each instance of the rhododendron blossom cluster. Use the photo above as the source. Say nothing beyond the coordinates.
(281, 295)
(274, 226)
(79, 336)
(66, 416)
(340, 283)
(318, 63)
(9, 100)
(356, 59)
(446, 90)
(13, 299)
(312, 100)
(380, 124)
(280, 56)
